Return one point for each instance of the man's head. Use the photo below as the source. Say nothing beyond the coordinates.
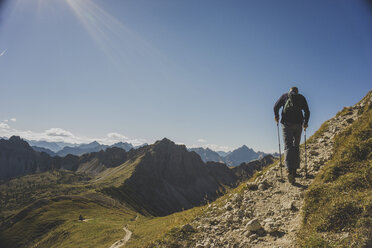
(294, 90)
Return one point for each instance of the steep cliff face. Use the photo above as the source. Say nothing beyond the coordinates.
(18, 158)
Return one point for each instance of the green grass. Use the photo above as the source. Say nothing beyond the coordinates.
(147, 231)
(115, 177)
(56, 225)
(339, 200)
(19, 192)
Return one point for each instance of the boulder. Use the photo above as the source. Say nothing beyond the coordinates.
(253, 225)
(188, 228)
(271, 227)
(252, 186)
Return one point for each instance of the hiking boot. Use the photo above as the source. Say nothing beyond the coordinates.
(291, 178)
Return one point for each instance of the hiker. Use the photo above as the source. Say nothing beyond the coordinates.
(292, 122)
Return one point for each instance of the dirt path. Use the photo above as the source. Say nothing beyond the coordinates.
(123, 241)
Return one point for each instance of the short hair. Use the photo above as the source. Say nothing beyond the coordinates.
(295, 89)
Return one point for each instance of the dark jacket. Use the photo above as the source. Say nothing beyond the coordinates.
(293, 118)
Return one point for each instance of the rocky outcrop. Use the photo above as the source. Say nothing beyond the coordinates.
(18, 158)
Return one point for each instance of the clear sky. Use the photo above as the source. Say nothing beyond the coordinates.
(202, 73)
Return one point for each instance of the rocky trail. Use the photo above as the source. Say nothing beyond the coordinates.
(123, 241)
(268, 212)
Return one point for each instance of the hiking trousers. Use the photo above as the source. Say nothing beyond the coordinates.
(292, 138)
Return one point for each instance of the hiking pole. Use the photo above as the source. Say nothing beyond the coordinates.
(280, 153)
(305, 154)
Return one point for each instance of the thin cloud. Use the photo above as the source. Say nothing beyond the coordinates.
(117, 136)
(61, 135)
(114, 137)
(213, 147)
(3, 52)
(13, 119)
(202, 141)
(59, 132)
(4, 125)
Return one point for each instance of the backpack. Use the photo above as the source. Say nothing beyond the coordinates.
(292, 105)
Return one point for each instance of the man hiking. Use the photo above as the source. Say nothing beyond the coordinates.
(292, 121)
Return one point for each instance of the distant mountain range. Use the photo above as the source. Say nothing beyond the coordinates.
(236, 157)
(52, 146)
(231, 158)
(81, 149)
(159, 179)
(62, 149)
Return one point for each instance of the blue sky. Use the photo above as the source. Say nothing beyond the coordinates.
(202, 73)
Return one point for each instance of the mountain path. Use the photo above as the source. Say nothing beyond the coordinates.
(123, 241)
(268, 212)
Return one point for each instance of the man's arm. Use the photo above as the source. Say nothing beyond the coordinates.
(305, 108)
(278, 105)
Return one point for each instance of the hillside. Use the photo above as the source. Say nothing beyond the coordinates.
(329, 208)
(338, 205)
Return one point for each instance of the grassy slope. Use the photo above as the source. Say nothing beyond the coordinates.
(56, 225)
(338, 204)
(19, 192)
